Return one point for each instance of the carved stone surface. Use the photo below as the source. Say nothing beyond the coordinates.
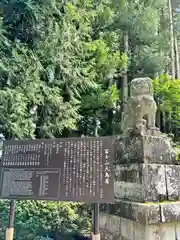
(128, 182)
(147, 182)
(170, 211)
(173, 182)
(131, 230)
(145, 213)
(154, 182)
(110, 227)
(140, 110)
(145, 149)
(138, 212)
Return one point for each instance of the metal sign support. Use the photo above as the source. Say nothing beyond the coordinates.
(10, 229)
(95, 206)
(95, 222)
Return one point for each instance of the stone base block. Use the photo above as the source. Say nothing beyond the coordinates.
(145, 149)
(144, 213)
(147, 182)
(118, 228)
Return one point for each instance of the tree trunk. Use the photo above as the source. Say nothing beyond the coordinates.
(177, 57)
(172, 53)
(178, 77)
(124, 86)
(171, 29)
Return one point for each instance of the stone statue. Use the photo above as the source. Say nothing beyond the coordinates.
(140, 110)
(141, 141)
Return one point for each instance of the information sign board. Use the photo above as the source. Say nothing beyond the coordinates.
(71, 169)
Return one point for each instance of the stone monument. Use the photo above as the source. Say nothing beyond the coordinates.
(147, 186)
(140, 110)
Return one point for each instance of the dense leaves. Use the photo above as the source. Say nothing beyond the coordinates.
(167, 96)
(54, 59)
(36, 219)
(62, 62)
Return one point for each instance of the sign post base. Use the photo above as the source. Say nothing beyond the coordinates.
(95, 236)
(9, 233)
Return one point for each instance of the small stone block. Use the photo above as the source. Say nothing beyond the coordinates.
(157, 150)
(154, 182)
(152, 232)
(139, 212)
(170, 211)
(172, 181)
(106, 235)
(167, 231)
(139, 231)
(110, 222)
(141, 182)
(95, 237)
(126, 228)
(128, 182)
(177, 231)
(110, 226)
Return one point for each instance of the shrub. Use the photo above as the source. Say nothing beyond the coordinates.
(37, 219)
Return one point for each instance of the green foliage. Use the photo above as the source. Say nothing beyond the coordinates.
(167, 92)
(54, 60)
(148, 44)
(63, 58)
(101, 99)
(167, 96)
(35, 219)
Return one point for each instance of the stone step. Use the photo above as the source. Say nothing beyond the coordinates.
(146, 213)
(118, 228)
(140, 221)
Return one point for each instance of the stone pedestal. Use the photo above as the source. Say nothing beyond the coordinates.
(141, 221)
(146, 149)
(125, 229)
(147, 182)
(147, 192)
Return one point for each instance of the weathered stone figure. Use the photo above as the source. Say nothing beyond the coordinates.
(142, 141)
(140, 110)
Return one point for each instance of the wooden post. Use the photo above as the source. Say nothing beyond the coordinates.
(95, 222)
(95, 235)
(124, 87)
(10, 229)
